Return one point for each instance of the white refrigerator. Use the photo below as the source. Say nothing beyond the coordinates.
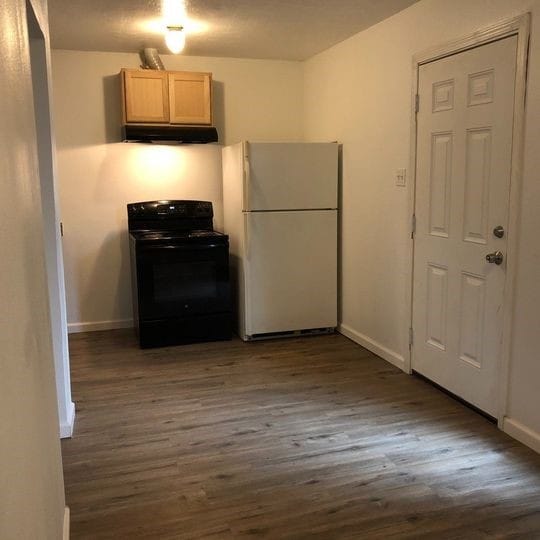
(280, 212)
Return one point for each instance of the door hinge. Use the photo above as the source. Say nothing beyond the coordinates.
(413, 225)
(417, 103)
(411, 337)
(61, 229)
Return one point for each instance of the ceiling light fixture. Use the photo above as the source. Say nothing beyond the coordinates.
(174, 19)
(175, 38)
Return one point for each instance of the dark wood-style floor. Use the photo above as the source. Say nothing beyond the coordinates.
(311, 438)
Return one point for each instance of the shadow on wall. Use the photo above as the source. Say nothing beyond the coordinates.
(110, 264)
(218, 109)
(112, 105)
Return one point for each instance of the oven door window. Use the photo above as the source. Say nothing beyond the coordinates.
(185, 281)
(175, 281)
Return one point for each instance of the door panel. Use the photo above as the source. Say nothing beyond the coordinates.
(291, 176)
(441, 167)
(477, 176)
(437, 299)
(472, 308)
(464, 145)
(291, 274)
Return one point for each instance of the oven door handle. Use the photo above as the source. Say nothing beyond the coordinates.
(184, 248)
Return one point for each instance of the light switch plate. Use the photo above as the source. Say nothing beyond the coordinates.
(401, 177)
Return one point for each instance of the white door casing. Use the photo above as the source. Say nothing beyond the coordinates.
(464, 150)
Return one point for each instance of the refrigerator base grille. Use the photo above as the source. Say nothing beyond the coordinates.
(291, 333)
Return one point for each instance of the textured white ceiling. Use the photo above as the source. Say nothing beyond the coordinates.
(278, 29)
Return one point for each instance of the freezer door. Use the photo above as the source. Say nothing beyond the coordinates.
(290, 271)
(290, 176)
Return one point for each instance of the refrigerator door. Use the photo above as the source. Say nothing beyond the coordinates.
(290, 176)
(290, 271)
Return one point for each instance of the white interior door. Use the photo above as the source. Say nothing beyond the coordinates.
(291, 270)
(291, 176)
(464, 144)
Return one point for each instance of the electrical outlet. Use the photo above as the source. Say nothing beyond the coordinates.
(401, 177)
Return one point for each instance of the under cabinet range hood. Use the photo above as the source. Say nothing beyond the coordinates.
(169, 133)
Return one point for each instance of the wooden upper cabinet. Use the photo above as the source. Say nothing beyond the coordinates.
(190, 97)
(166, 97)
(146, 96)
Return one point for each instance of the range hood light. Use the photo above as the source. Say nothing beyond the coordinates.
(175, 38)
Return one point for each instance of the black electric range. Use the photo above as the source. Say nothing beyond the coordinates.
(180, 273)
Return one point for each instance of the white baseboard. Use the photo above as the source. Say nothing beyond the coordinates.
(95, 326)
(65, 535)
(66, 428)
(373, 346)
(522, 433)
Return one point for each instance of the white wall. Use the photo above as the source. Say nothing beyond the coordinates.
(359, 92)
(253, 99)
(31, 483)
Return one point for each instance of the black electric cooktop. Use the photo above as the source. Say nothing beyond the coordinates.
(176, 235)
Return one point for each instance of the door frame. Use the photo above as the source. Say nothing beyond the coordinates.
(40, 71)
(517, 26)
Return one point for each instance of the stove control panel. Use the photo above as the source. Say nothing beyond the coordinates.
(177, 209)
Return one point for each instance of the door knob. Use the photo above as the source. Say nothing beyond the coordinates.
(495, 258)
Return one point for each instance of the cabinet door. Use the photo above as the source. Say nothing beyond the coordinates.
(190, 97)
(146, 96)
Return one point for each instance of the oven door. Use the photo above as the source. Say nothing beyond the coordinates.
(178, 280)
